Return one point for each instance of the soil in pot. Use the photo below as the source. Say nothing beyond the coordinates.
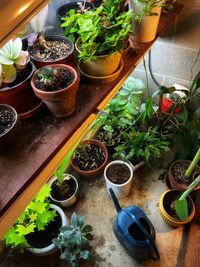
(118, 173)
(49, 50)
(61, 79)
(168, 204)
(65, 191)
(178, 171)
(7, 118)
(41, 239)
(88, 157)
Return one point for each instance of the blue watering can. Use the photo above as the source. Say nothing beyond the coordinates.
(135, 232)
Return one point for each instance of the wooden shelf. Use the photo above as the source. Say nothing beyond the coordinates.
(47, 139)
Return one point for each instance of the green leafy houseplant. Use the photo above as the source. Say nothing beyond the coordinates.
(35, 217)
(102, 31)
(12, 57)
(181, 204)
(73, 241)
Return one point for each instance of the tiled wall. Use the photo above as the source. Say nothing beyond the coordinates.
(174, 53)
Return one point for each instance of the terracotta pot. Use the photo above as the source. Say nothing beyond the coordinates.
(120, 190)
(146, 30)
(61, 103)
(180, 186)
(21, 96)
(51, 248)
(68, 201)
(171, 195)
(103, 65)
(96, 172)
(11, 139)
(68, 60)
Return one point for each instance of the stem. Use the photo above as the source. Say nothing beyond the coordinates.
(160, 106)
(190, 188)
(193, 164)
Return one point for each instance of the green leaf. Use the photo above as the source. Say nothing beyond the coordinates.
(74, 220)
(181, 208)
(21, 230)
(43, 193)
(87, 228)
(78, 238)
(85, 254)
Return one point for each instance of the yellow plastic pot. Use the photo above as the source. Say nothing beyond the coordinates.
(174, 222)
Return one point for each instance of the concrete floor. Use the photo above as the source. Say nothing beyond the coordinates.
(95, 203)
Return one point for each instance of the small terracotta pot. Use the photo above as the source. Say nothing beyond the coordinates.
(182, 187)
(103, 65)
(68, 60)
(61, 103)
(68, 201)
(96, 172)
(11, 139)
(174, 222)
(21, 96)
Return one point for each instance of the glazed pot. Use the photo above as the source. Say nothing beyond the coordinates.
(165, 200)
(12, 138)
(61, 103)
(91, 173)
(68, 60)
(68, 201)
(21, 96)
(146, 30)
(120, 190)
(103, 65)
(181, 186)
(51, 248)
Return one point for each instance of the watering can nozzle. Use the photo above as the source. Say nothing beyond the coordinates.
(115, 201)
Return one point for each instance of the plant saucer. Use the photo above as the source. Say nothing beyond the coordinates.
(101, 79)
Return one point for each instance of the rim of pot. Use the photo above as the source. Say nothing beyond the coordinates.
(55, 178)
(10, 108)
(56, 66)
(48, 37)
(122, 163)
(13, 87)
(92, 141)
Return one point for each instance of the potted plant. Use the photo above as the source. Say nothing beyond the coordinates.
(89, 158)
(182, 172)
(10, 129)
(146, 18)
(73, 241)
(37, 225)
(100, 43)
(57, 86)
(177, 208)
(64, 187)
(15, 76)
(118, 175)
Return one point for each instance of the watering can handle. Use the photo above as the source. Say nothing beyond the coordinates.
(155, 255)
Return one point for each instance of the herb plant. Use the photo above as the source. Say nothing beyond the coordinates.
(35, 217)
(73, 241)
(12, 57)
(46, 75)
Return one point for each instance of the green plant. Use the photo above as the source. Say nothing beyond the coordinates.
(46, 74)
(11, 57)
(141, 145)
(101, 32)
(73, 241)
(35, 217)
(181, 204)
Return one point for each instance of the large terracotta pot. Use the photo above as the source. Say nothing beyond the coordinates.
(146, 30)
(21, 96)
(103, 65)
(181, 186)
(61, 103)
(165, 200)
(68, 60)
(11, 139)
(96, 172)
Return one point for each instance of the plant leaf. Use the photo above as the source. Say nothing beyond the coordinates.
(181, 208)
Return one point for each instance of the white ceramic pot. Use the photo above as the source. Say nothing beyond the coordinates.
(147, 29)
(70, 201)
(120, 190)
(51, 248)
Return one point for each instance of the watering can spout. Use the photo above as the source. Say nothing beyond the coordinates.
(115, 201)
